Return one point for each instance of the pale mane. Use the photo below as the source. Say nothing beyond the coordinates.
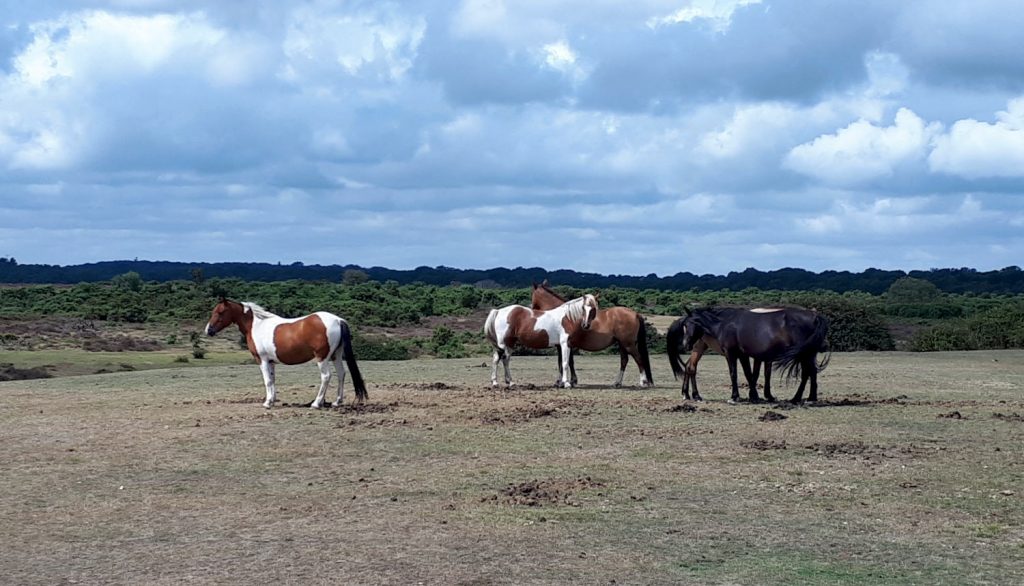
(257, 311)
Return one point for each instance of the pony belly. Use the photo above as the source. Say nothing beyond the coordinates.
(592, 341)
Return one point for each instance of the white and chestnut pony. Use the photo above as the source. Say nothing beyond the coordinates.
(562, 326)
(789, 336)
(613, 324)
(272, 339)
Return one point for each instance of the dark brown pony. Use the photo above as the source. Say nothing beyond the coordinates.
(614, 324)
(273, 340)
(790, 337)
(708, 343)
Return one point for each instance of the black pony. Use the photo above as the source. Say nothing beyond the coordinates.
(790, 337)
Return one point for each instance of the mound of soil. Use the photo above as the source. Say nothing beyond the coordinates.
(951, 415)
(772, 416)
(1009, 417)
(764, 445)
(10, 372)
(861, 450)
(538, 493)
(519, 414)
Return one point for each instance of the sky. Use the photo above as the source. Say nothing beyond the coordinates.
(651, 136)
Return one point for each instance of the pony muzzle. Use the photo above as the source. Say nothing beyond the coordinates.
(210, 330)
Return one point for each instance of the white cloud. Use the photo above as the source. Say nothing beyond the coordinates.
(863, 151)
(976, 149)
(716, 13)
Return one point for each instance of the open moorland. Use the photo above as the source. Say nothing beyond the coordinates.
(907, 472)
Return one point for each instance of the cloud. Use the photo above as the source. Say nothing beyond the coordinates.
(863, 151)
(974, 149)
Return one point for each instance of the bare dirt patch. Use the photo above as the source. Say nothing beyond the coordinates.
(764, 445)
(10, 372)
(772, 416)
(857, 449)
(540, 493)
(1015, 417)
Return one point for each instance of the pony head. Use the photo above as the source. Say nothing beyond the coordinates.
(223, 316)
(590, 309)
(692, 331)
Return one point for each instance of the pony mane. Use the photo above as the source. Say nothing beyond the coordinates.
(575, 308)
(257, 311)
(551, 292)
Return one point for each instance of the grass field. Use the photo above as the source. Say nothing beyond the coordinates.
(908, 472)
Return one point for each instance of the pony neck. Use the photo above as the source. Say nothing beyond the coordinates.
(547, 298)
(243, 317)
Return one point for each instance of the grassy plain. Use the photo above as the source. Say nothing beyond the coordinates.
(908, 472)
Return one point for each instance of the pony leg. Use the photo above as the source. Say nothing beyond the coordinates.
(751, 376)
(267, 368)
(339, 365)
(325, 381)
(811, 368)
(506, 357)
(623, 362)
(731, 359)
(566, 356)
(494, 366)
(572, 369)
(638, 359)
(768, 382)
(690, 375)
(799, 396)
(558, 381)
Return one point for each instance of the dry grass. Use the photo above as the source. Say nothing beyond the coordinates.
(166, 476)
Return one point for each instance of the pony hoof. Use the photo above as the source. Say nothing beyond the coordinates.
(732, 402)
(267, 405)
(617, 385)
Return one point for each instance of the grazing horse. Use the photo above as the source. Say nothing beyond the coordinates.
(614, 324)
(704, 344)
(273, 339)
(562, 326)
(792, 337)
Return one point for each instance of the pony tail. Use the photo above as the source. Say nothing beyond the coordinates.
(350, 361)
(789, 362)
(674, 338)
(641, 344)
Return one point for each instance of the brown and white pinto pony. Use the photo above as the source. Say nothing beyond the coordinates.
(562, 326)
(613, 324)
(272, 339)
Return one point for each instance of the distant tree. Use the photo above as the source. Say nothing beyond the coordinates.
(912, 290)
(197, 276)
(130, 281)
(354, 277)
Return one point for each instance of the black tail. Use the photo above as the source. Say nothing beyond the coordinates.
(674, 339)
(641, 345)
(350, 361)
(789, 362)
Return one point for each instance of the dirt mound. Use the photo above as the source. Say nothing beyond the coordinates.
(435, 386)
(687, 408)
(859, 449)
(1009, 417)
(10, 372)
(538, 493)
(772, 416)
(951, 415)
(519, 414)
(764, 445)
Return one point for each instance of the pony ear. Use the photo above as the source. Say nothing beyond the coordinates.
(688, 312)
(545, 283)
(223, 299)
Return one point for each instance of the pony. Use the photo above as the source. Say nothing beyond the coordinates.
(613, 324)
(562, 326)
(700, 347)
(792, 337)
(272, 339)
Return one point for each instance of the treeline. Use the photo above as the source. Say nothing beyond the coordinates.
(859, 321)
(1009, 280)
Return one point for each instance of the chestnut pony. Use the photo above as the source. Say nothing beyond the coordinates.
(562, 326)
(614, 324)
(272, 339)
